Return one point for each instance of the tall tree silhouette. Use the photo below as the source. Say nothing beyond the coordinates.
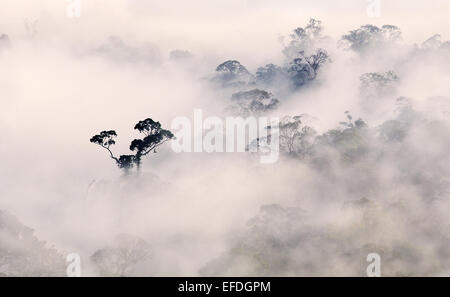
(154, 136)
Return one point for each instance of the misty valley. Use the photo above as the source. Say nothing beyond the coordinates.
(207, 140)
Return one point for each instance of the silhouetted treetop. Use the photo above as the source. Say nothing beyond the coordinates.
(154, 136)
(254, 101)
(304, 39)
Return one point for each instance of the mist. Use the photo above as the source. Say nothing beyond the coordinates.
(344, 188)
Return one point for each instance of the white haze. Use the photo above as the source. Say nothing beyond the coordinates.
(57, 91)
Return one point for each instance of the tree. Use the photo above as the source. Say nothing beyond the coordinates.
(22, 254)
(232, 68)
(376, 84)
(31, 28)
(271, 74)
(121, 51)
(120, 258)
(435, 43)
(4, 41)
(105, 139)
(395, 130)
(304, 69)
(351, 141)
(296, 138)
(264, 248)
(154, 137)
(232, 73)
(368, 35)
